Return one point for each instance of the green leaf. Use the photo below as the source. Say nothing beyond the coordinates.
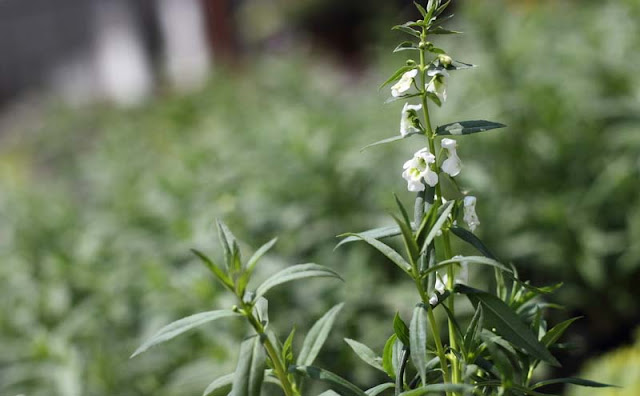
(470, 260)
(249, 373)
(418, 336)
(390, 140)
(410, 244)
(446, 210)
(391, 254)
(556, 332)
(376, 233)
(287, 348)
(376, 390)
(387, 356)
(317, 336)
(396, 75)
(259, 253)
(345, 387)
(438, 388)
(295, 272)
(219, 274)
(366, 354)
(441, 9)
(467, 127)
(406, 29)
(507, 323)
(473, 329)
(441, 30)
(329, 393)
(473, 240)
(182, 325)
(401, 329)
(434, 98)
(403, 97)
(220, 386)
(574, 381)
(421, 9)
(405, 46)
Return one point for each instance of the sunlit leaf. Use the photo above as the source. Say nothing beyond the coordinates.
(573, 381)
(418, 336)
(467, 127)
(220, 386)
(249, 373)
(345, 387)
(365, 354)
(317, 336)
(377, 233)
(300, 271)
(401, 329)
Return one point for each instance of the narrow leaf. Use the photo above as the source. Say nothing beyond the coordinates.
(182, 325)
(473, 330)
(470, 260)
(556, 332)
(396, 75)
(329, 393)
(378, 389)
(473, 240)
(406, 45)
(317, 336)
(366, 354)
(219, 274)
(259, 253)
(401, 329)
(467, 127)
(441, 30)
(507, 323)
(345, 387)
(249, 373)
(287, 348)
(410, 244)
(391, 254)
(387, 356)
(446, 210)
(421, 9)
(376, 233)
(574, 381)
(449, 188)
(220, 386)
(407, 29)
(418, 338)
(390, 140)
(296, 272)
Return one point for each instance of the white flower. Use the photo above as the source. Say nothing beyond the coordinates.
(463, 275)
(404, 84)
(470, 216)
(452, 165)
(440, 286)
(438, 83)
(417, 169)
(406, 121)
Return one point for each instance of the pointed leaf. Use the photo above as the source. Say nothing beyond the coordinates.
(391, 254)
(376, 390)
(441, 30)
(403, 97)
(410, 245)
(220, 386)
(470, 260)
(345, 387)
(317, 336)
(376, 233)
(287, 348)
(446, 210)
(438, 388)
(259, 253)
(329, 393)
(182, 325)
(449, 188)
(401, 329)
(249, 373)
(418, 336)
(407, 29)
(387, 356)
(421, 9)
(473, 240)
(365, 353)
(473, 330)
(574, 381)
(296, 272)
(219, 274)
(467, 127)
(507, 323)
(390, 140)
(396, 75)
(406, 45)
(556, 332)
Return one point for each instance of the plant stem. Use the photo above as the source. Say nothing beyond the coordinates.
(278, 367)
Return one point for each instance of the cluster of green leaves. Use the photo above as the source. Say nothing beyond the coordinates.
(262, 356)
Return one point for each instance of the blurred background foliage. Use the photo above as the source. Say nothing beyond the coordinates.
(99, 205)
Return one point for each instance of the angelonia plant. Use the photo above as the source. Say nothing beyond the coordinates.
(494, 352)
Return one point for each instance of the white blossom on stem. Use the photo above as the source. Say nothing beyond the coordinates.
(470, 216)
(452, 165)
(418, 169)
(438, 83)
(407, 125)
(440, 286)
(404, 84)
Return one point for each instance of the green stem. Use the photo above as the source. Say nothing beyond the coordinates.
(455, 372)
(278, 366)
